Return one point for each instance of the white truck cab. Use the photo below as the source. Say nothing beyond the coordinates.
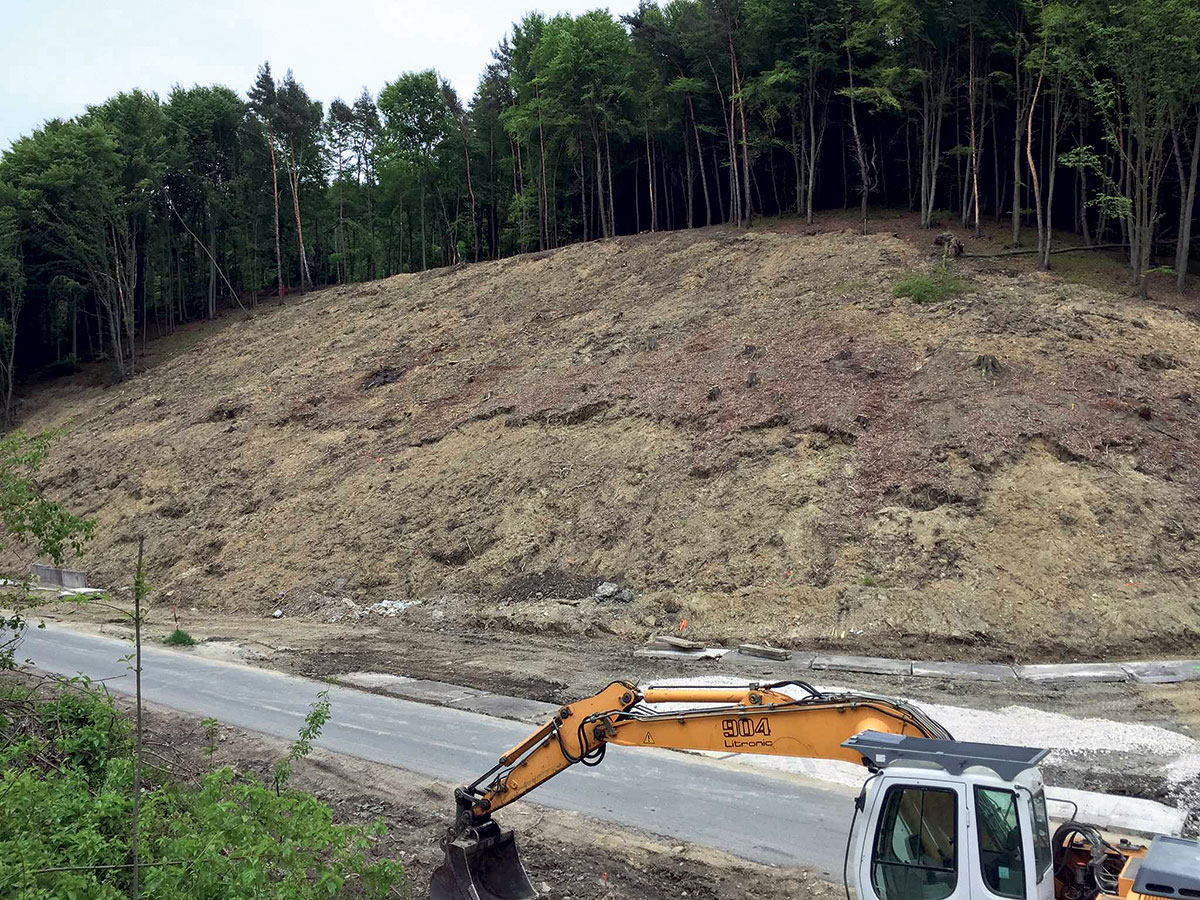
(949, 820)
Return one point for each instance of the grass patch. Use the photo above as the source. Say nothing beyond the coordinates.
(869, 581)
(929, 287)
(179, 638)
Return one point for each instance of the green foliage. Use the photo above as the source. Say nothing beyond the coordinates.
(65, 808)
(179, 638)
(314, 721)
(33, 525)
(144, 213)
(32, 521)
(212, 730)
(929, 287)
(415, 117)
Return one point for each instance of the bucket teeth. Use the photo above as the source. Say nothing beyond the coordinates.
(483, 864)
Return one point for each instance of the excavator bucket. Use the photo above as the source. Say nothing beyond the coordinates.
(483, 865)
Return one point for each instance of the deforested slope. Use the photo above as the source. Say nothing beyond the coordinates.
(748, 430)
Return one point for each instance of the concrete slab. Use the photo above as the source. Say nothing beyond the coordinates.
(1163, 671)
(801, 661)
(440, 692)
(873, 665)
(373, 679)
(418, 689)
(764, 652)
(518, 708)
(964, 671)
(665, 653)
(56, 576)
(1054, 672)
(671, 642)
(758, 669)
(1109, 812)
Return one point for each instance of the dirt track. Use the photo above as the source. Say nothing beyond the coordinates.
(747, 430)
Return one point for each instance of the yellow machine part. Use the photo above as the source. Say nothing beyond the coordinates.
(743, 719)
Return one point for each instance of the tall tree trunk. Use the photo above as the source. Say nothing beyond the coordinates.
(601, 203)
(342, 273)
(1184, 243)
(1033, 172)
(1018, 116)
(925, 116)
(650, 179)
(727, 112)
(708, 220)
(212, 266)
(863, 167)
(974, 144)
(543, 196)
(1083, 189)
(305, 278)
(612, 205)
(1056, 118)
(816, 137)
(690, 195)
(583, 193)
(717, 183)
(275, 196)
(470, 189)
(747, 209)
(797, 169)
(424, 239)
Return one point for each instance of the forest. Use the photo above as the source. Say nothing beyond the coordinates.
(146, 212)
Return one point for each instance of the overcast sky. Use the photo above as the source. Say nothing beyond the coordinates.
(58, 56)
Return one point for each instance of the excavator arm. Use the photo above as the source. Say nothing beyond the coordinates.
(481, 861)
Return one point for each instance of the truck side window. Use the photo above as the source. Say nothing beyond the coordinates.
(1000, 853)
(915, 853)
(1043, 855)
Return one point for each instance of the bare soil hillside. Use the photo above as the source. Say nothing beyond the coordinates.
(745, 430)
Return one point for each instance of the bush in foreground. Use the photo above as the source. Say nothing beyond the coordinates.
(66, 775)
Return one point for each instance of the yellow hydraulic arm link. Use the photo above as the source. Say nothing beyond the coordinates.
(740, 719)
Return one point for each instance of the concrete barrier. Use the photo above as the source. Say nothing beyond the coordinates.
(54, 576)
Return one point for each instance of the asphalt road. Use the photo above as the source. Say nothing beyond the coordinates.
(756, 816)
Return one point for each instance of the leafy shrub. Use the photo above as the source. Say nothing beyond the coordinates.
(66, 776)
(930, 287)
(179, 638)
(31, 525)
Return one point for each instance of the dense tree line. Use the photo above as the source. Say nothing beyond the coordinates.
(145, 212)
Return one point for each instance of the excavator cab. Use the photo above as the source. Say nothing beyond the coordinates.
(950, 820)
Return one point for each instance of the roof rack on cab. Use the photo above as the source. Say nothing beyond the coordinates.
(880, 750)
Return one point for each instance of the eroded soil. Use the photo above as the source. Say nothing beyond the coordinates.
(747, 430)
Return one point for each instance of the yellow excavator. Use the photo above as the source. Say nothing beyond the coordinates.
(937, 819)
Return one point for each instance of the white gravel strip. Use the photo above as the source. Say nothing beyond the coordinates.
(1069, 738)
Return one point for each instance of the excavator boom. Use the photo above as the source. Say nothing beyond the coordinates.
(481, 860)
(938, 809)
